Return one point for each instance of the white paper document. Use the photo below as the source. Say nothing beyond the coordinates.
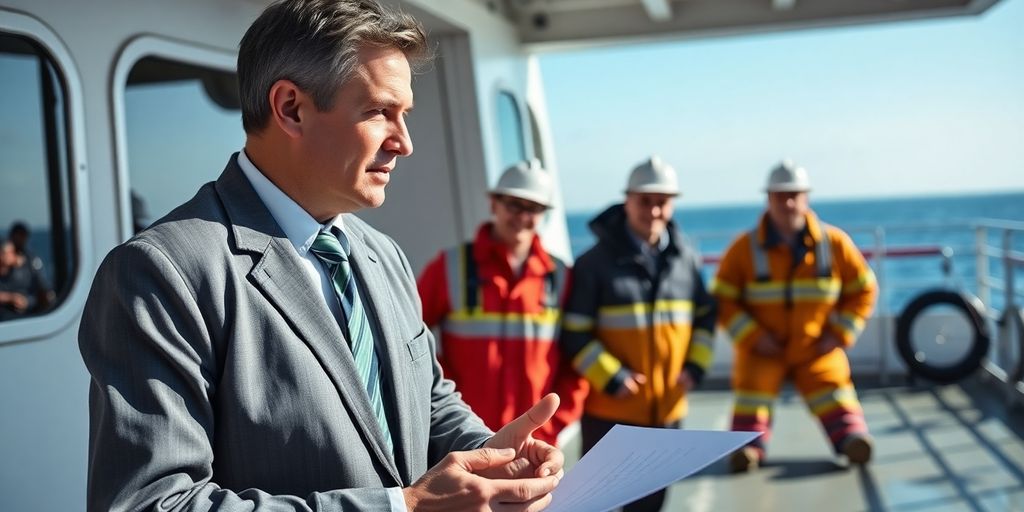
(632, 462)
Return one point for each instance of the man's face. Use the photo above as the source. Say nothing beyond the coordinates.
(788, 210)
(648, 214)
(352, 148)
(515, 220)
(20, 240)
(7, 255)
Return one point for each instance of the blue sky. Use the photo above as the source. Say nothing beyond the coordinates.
(898, 109)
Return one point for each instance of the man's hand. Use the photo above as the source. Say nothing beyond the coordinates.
(17, 301)
(631, 385)
(828, 342)
(767, 346)
(455, 484)
(513, 471)
(533, 457)
(686, 380)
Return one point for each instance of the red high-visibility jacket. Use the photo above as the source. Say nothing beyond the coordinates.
(499, 334)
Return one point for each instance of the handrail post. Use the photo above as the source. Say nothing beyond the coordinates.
(882, 309)
(1008, 268)
(981, 263)
(1008, 305)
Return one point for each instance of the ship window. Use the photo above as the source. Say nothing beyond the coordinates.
(510, 130)
(182, 122)
(37, 260)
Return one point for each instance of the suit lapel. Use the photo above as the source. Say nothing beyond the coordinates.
(376, 290)
(277, 274)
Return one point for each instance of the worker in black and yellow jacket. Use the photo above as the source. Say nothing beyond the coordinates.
(639, 322)
(793, 294)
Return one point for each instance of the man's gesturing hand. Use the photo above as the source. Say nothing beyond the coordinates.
(454, 485)
(534, 458)
(512, 472)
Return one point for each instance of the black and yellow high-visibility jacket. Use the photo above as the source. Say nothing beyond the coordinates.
(620, 318)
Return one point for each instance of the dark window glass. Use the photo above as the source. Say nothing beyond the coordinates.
(37, 260)
(510, 130)
(182, 124)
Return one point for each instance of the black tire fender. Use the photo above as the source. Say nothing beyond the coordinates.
(972, 308)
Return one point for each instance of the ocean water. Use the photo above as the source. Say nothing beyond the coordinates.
(951, 223)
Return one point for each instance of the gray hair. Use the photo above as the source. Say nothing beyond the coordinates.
(314, 43)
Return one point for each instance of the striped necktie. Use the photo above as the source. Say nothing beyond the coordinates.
(333, 252)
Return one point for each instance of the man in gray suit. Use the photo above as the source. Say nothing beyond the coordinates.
(261, 349)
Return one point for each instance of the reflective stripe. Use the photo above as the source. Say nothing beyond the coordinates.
(596, 365)
(488, 326)
(858, 284)
(638, 315)
(739, 326)
(577, 322)
(848, 323)
(700, 351)
(754, 404)
(454, 269)
(558, 276)
(803, 290)
(760, 258)
(823, 253)
(724, 289)
(824, 401)
(503, 326)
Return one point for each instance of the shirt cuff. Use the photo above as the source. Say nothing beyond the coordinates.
(396, 499)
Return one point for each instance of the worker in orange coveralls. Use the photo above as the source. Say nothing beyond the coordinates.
(793, 294)
(498, 302)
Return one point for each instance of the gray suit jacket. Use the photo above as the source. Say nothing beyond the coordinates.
(220, 380)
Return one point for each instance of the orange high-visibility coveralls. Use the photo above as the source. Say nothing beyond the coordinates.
(761, 289)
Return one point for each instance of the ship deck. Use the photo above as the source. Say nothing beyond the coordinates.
(937, 448)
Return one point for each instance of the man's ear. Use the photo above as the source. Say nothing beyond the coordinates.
(286, 100)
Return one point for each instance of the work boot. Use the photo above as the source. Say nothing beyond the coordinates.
(857, 448)
(745, 459)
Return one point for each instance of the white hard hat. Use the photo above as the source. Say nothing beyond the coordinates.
(787, 177)
(653, 176)
(525, 180)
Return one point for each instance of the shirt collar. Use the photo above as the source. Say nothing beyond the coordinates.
(772, 237)
(645, 247)
(298, 225)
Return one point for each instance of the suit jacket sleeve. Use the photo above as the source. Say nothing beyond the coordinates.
(154, 372)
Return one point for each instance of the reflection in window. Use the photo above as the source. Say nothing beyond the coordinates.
(510, 131)
(182, 124)
(37, 262)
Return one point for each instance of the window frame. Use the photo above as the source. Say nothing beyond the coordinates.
(137, 49)
(523, 138)
(43, 326)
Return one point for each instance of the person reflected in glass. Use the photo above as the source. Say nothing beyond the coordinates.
(15, 300)
(30, 265)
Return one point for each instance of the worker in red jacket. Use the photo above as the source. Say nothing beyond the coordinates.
(497, 300)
